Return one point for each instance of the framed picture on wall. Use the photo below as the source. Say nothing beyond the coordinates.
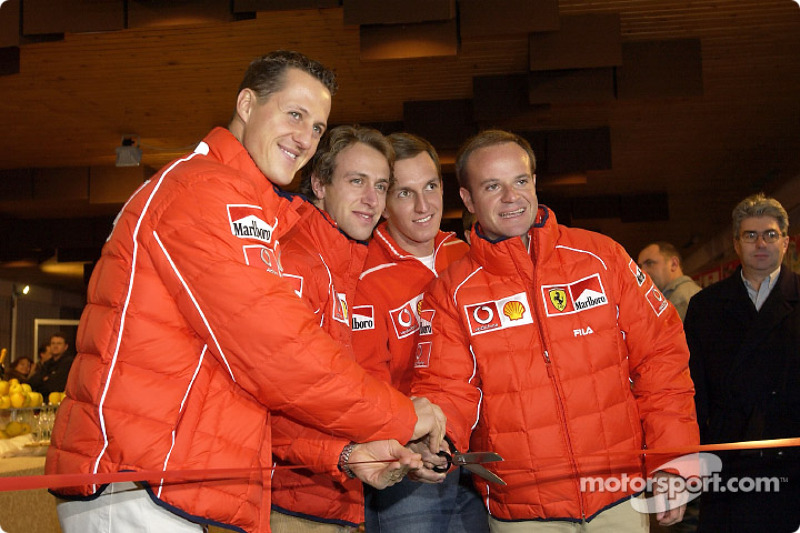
(44, 327)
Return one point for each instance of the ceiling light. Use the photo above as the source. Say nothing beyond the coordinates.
(129, 154)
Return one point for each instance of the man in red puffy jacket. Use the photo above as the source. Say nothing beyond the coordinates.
(551, 347)
(323, 256)
(191, 338)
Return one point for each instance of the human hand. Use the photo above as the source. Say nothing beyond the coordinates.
(426, 474)
(382, 463)
(431, 423)
(670, 489)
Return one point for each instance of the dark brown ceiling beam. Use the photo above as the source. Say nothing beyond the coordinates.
(571, 85)
(364, 12)
(406, 41)
(479, 18)
(583, 41)
(72, 16)
(660, 69)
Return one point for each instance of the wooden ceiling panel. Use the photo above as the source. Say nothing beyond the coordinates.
(70, 101)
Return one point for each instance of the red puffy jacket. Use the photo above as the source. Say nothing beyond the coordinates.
(553, 357)
(323, 264)
(385, 316)
(191, 338)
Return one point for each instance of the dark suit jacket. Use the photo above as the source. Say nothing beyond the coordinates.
(745, 365)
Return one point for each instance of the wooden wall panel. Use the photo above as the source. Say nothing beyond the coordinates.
(584, 41)
(571, 85)
(445, 123)
(500, 97)
(249, 6)
(146, 14)
(364, 12)
(9, 60)
(404, 41)
(479, 18)
(72, 16)
(9, 23)
(660, 69)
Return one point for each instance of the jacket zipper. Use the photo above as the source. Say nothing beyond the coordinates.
(561, 412)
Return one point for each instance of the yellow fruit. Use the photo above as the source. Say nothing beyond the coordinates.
(4, 385)
(26, 428)
(36, 399)
(17, 399)
(13, 429)
(54, 398)
(5, 402)
(27, 388)
(14, 387)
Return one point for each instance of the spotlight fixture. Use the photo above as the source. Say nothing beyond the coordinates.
(129, 154)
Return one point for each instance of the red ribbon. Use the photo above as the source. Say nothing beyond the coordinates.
(57, 481)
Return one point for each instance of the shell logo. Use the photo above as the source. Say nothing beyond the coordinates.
(514, 310)
(419, 307)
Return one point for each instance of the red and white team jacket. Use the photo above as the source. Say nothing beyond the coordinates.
(386, 318)
(191, 339)
(323, 264)
(553, 357)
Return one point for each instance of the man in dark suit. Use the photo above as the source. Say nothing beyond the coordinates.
(744, 339)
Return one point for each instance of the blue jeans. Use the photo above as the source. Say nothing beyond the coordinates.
(453, 506)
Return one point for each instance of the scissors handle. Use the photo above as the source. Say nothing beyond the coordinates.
(449, 457)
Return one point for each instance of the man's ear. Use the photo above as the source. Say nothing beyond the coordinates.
(674, 264)
(245, 103)
(317, 187)
(466, 197)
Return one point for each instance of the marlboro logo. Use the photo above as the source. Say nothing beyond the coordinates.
(247, 222)
(568, 298)
(363, 318)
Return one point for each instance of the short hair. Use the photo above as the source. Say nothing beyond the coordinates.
(335, 140)
(18, 360)
(759, 205)
(266, 75)
(44, 347)
(482, 140)
(407, 146)
(667, 249)
(59, 334)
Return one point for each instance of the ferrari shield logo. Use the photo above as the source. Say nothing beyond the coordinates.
(558, 297)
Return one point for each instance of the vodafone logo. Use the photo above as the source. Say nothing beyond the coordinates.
(483, 314)
(405, 318)
(260, 256)
(656, 300)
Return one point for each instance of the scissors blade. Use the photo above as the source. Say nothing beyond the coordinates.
(485, 474)
(476, 457)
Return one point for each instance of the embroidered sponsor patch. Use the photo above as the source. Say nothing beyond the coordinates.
(499, 314)
(247, 222)
(637, 272)
(296, 282)
(422, 359)
(405, 319)
(340, 310)
(258, 255)
(568, 298)
(363, 318)
(656, 300)
(426, 321)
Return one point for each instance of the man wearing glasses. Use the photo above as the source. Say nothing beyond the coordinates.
(744, 338)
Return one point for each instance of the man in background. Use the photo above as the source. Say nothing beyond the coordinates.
(52, 376)
(744, 337)
(406, 253)
(662, 262)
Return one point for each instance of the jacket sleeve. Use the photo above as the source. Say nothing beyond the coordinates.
(658, 359)
(257, 327)
(299, 444)
(450, 380)
(371, 344)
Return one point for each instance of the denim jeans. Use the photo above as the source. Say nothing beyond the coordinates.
(453, 506)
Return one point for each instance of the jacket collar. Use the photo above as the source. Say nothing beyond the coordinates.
(393, 250)
(494, 255)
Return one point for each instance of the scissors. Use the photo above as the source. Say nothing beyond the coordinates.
(472, 461)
